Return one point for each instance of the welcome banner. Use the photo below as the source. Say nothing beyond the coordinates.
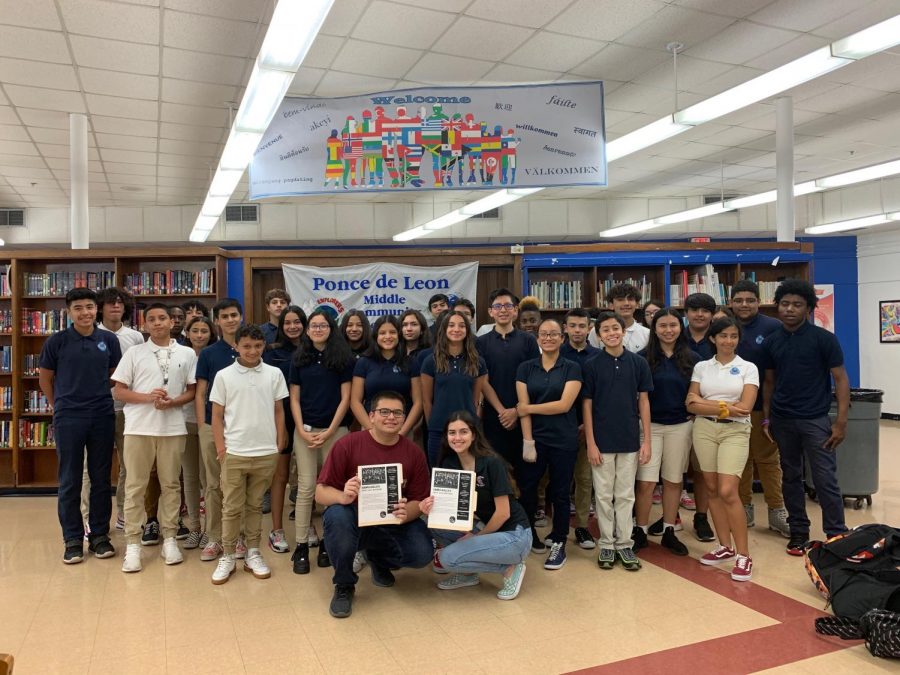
(377, 288)
(436, 138)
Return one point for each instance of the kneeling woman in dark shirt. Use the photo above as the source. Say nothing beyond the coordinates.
(502, 544)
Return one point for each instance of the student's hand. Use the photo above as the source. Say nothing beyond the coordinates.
(509, 416)
(529, 451)
(351, 491)
(737, 410)
(163, 403)
(767, 432)
(220, 454)
(158, 393)
(593, 454)
(400, 510)
(426, 505)
(308, 438)
(644, 453)
(838, 433)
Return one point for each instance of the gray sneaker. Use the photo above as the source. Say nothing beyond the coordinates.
(778, 522)
(751, 517)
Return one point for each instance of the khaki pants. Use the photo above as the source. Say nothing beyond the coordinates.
(120, 483)
(614, 479)
(213, 493)
(190, 467)
(765, 455)
(141, 452)
(583, 485)
(308, 463)
(244, 482)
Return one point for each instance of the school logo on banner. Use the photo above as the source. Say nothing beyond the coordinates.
(377, 288)
(444, 138)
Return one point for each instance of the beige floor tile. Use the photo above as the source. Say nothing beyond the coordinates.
(130, 661)
(262, 646)
(374, 658)
(288, 664)
(204, 655)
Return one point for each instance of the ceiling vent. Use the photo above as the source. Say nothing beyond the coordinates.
(242, 213)
(490, 214)
(716, 198)
(12, 217)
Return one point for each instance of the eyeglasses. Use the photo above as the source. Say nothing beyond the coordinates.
(319, 326)
(497, 306)
(544, 335)
(388, 412)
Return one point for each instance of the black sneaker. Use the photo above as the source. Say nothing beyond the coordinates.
(671, 542)
(656, 529)
(301, 559)
(702, 530)
(74, 553)
(322, 560)
(584, 538)
(267, 502)
(537, 544)
(797, 544)
(101, 548)
(292, 515)
(342, 601)
(381, 576)
(640, 539)
(151, 533)
(182, 532)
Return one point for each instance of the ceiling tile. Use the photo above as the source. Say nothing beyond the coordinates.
(51, 99)
(342, 17)
(130, 179)
(35, 45)
(128, 156)
(17, 148)
(186, 161)
(552, 51)
(675, 24)
(504, 73)
(130, 169)
(618, 62)
(369, 58)
(242, 10)
(194, 148)
(118, 142)
(345, 84)
(421, 27)
(58, 136)
(306, 80)
(442, 5)
(799, 46)
(604, 19)
(800, 15)
(487, 39)
(184, 172)
(9, 132)
(122, 107)
(184, 183)
(691, 73)
(192, 114)
(197, 93)
(531, 13)
(115, 55)
(741, 42)
(185, 65)
(127, 85)
(31, 14)
(730, 78)
(866, 15)
(97, 18)
(185, 132)
(8, 115)
(209, 34)
(446, 69)
(124, 126)
(37, 74)
(324, 49)
(838, 99)
(52, 150)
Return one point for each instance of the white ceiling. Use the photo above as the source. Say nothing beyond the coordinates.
(156, 76)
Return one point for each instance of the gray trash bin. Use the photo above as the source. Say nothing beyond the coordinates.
(857, 456)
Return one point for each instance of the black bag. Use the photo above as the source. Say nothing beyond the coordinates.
(878, 627)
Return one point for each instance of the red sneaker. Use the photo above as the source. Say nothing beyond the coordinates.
(436, 566)
(718, 555)
(743, 568)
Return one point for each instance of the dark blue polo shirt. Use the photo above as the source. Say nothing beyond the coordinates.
(270, 331)
(452, 391)
(567, 351)
(556, 431)
(750, 347)
(670, 389)
(81, 365)
(320, 390)
(421, 355)
(703, 347)
(802, 362)
(212, 359)
(503, 354)
(381, 375)
(280, 358)
(492, 480)
(613, 384)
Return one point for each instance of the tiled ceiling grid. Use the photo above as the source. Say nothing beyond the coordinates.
(154, 77)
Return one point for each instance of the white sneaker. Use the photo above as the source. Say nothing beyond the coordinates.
(223, 570)
(312, 537)
(171, 552)
(240, 549)
(255, 563)
(132, 561)
(359, 561)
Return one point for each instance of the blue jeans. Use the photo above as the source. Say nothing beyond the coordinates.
(407, 545)
(796, 438)
(561, 464)
(492, 552)
(74, 435)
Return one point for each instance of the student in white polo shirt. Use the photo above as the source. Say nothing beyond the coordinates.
(155, 380)
(721, 395)
(624, 300)
(249, 431)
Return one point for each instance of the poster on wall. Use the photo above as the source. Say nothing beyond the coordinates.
(377, 288)
(889, 324)
(434, 138)
(824, 313)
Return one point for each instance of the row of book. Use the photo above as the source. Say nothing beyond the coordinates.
(6, 399)
(644, 287)
(172, 282)
(557, 294)
(31, 365)
(35, 402)
(704, 279)
(6, 321)
(6, 434)
(44, 322)
(60, 283)
(5, 359)
(36, 434)
(766, 288)
(5, 286)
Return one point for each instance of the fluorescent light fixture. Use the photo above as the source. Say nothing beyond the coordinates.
(644, 137)
(414, 233)
(224, 182)
(239, 149)
(291, 32)
(264, 93)
(692, 214)
(752, 200)
(765, 86)
(642, 226)
(202, 227)
(807, 188)
(495, 200)
(860, 175)
(213, 206)
(2, 242)
(854, 224)
(869, 41)
(445, 221)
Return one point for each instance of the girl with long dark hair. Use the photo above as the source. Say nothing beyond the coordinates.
(414, 333)
(356, 331)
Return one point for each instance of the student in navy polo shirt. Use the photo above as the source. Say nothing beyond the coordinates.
(437, 305)
(576, 348)
(356, 331)
(277, 300)
(503, 349)
(386, 367)
(755, 327)
(414, 333)
(466, 307)
(801, 361)
(75, 367)
(227, 315)
(319, 381)
(548, 387)
(616, 409)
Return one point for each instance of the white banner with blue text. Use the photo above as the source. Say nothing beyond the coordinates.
(435, 138)
(377, 288)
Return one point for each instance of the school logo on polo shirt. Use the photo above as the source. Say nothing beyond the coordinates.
(735, 370)
(101, 346)
(479, 481)
(760, 339)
